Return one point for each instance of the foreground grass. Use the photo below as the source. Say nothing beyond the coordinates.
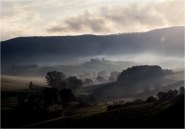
(163, 114)
(134, 116)
(166, 113)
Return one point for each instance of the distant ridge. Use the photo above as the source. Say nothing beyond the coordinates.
(121, 33)
(34, 50)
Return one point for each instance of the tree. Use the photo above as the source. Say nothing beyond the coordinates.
(66, 96)
(31, 86)
(114, 74)
(170, 94)
(175, 92)
(181, 90)
(111, 79)
(151, 99)
(51, 96)
(102, 73)
(139, 73)
(74, 84)
(161, 95)
(100, 79)
(55, 79)
(88, 81)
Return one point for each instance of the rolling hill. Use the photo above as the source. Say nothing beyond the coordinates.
(87, 67)
(52, 50)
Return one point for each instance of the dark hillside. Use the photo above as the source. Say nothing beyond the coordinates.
(132, 80)
(29, 50)
(147, 115)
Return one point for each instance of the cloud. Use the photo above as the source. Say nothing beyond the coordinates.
(62, 17)
(116, 18)
(81, 22)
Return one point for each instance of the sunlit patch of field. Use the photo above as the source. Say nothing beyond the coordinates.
(18, 83)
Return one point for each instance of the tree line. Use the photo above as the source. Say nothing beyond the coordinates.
(161, 96)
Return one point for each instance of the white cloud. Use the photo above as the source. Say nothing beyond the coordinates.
(62, 17)
(115, 19)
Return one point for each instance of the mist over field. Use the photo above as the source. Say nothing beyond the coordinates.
(105, 64)
(163, 47)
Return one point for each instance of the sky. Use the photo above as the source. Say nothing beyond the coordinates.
(76, 17)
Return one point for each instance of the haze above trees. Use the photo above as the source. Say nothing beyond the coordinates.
(60, 49)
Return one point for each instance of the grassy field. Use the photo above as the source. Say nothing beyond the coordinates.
(92, 118)
(11, 86)
(13, 83)
(144, 115)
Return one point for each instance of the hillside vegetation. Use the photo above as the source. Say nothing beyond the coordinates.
(163, 114)
(88, 67)
(62, 49)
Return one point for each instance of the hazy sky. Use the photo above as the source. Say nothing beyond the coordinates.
(74, 17)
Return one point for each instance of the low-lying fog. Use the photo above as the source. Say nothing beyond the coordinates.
(166, 62)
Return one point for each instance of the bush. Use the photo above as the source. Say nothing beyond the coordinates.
(169, 94)
(181, 90)
(151, 99)
(161, 95)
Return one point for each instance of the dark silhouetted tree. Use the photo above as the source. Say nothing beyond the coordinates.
(114, 74)
(88, 81)
(175, 92)
(74, 84)
(111, 79)
(54, 79)
(181, 90)
(100, 79)
(102, 73)
(51, 96)
(169, 94)
(66, 96)
(138, 73)
(161, 95)
(151, 99)
(31, 85)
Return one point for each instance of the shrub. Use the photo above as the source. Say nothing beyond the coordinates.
(151, 99)
(181, 90)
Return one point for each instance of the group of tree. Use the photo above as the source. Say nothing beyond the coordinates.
(36, 87)
(160, 96)
(169, 94)
(88, 81)
(102, 73)
(87, 99)
(57, 97)
(59, 81)
(113, 76)
(138, 73)
(100, 79)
